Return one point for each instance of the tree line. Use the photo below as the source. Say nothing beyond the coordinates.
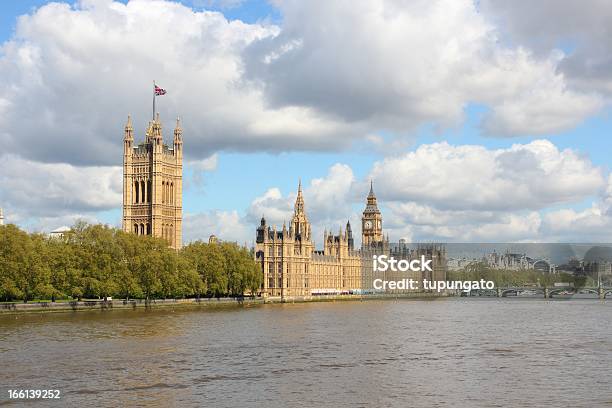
(97, 261)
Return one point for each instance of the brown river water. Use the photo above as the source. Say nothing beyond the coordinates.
(397, 353)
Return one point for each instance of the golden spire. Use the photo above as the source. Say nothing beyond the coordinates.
(299, 200)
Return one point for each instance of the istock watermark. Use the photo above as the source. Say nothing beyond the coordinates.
(439, 286)
(384, 263)
(421, 264)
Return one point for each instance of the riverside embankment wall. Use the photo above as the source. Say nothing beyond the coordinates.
(38, 307)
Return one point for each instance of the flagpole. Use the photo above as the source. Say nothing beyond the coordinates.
(153, 99)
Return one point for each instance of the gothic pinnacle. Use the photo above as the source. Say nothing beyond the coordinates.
(128, 128)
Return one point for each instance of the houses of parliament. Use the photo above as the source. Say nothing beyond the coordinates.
(290, 263)
(292, 267)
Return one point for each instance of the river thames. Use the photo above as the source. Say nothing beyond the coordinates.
(419, 353)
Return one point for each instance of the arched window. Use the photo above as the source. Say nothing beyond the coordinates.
(163, 192)
(142, 191)
(149, 190)
(142, 229)
(136, 229)
(136, 195)
(148, 229)
(171, 234)
(172, 193)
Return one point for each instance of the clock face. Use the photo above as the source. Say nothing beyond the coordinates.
(367, 224)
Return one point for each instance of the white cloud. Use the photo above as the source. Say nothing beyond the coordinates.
(543, 105)
(32, 189)
(567, 224)
(592, 224)
(524, 176)
(226, 225)
(327, 203)
(273, 206)
(581, 28)
(71, 75)
(327, 199)
(423, 222)
(204, 165)
(470, 193)
(199, 167)
(330, 201)
(394, 65)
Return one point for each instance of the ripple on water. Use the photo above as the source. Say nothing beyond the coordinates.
(458, 353)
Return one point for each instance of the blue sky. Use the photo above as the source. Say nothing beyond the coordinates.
(249, 165)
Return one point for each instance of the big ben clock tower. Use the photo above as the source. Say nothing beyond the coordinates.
(371, 222)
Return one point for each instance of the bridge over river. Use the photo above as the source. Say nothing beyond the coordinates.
(547, 292)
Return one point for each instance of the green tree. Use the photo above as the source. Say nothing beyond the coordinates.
(98, 261)
(210, 264)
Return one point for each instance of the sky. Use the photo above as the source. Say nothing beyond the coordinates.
(477, 121)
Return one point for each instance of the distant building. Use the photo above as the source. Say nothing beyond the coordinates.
(544, 266)
(516, 261)
(509, 260)
(457, 264)
(597, 263)
(292, 267)
(59, 232)
(153, 184)
(573, 266)
(1, 217)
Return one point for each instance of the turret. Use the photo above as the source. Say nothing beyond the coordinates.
(156, 129)
(349, 235)
(178, 139)
(1, 217)
(128, 182)
(261, 230)
(128, 136)
(149, 132)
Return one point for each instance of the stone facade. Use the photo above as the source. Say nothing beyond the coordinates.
(153, 184)
(292, 267)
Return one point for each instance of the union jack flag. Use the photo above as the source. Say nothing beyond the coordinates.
(159, 91)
